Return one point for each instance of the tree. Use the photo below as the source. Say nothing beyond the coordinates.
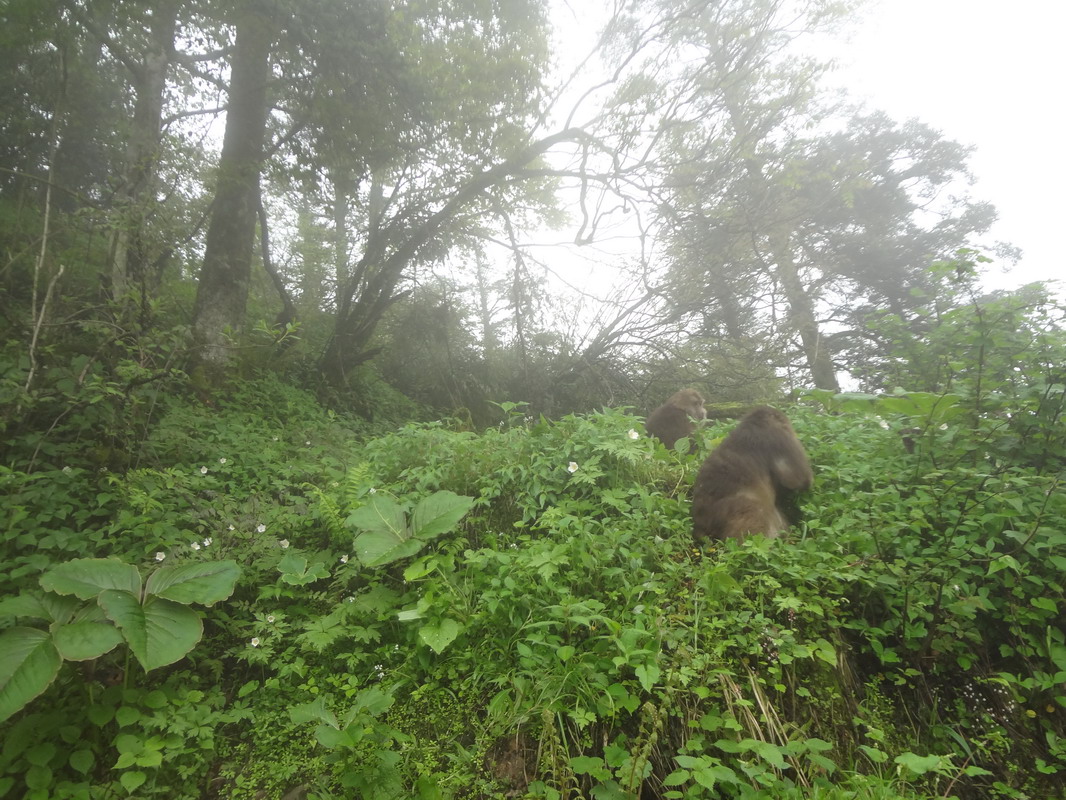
(776, 231)
(222, 291)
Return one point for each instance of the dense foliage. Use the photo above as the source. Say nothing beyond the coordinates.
(442, 613)
(269, 531)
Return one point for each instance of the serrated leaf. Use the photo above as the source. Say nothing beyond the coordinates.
(159, 633)
(205, 583)
(85, 578)
(29, 662)
(439, 513)
(440, 634)
(82, 641)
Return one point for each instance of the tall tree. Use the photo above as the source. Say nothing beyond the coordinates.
(222, 291)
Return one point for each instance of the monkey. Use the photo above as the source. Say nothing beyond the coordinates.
(746, 481)
(673, 419)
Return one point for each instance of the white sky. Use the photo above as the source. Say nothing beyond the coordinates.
(986, 73)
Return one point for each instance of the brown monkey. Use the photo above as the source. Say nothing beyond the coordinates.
(743, 483)
(671, 421)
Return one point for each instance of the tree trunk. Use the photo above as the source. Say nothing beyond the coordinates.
(819, 360)
(128, 255)
(222, 293)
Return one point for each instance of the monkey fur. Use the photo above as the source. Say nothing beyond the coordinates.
(745, 482)
(673, 420)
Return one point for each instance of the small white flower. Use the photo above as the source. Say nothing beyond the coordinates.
(255, 641)
(160, 556)
(944, 426)
(203, 470)
(350, 599)
(571, 467)
(882, 423)
(373, 490)
(344, 559)
(379, 669)
(195, 545)
(270, 617)
(222, 461)
(275, 438)
(633, 434)
(67, 469)
(207, 541)
(231, 527)
(308, 444)
(283, 543)
(261, 528)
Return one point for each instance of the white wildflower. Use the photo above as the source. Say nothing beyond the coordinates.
(195, 545)
(270, 618)
(373, 490)
(572, 467)
(222, 461)
(633, 434)
(344, 559)
(67, 469)
(255, 641)
(203, 470)
(160, 556)
(260, 528)
(231, 528)
(207, 541)
(283, 543)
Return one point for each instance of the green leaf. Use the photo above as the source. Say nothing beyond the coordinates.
(439, 513)
(377, 548)
(28, 664)
(85, 578)
(919, 765)
(205, 583)
(159, 633)
(648, 675)
(315, 711)
(1045, 603)
(132, 780)
(380, 514)
(32, 606)
(82, 641)
(439, 635)
(82, 760)
(565, 653)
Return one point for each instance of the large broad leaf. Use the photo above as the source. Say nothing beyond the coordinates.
(87, 577)
(205, 583)
(380, 514)
(159, 633)
(439, 513)
(81, 641)
(376, 548)
(49, 607)
(439, 635)
(28, 663)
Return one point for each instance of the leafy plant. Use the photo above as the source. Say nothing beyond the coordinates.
(153, 618)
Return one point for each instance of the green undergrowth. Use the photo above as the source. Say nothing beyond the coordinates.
(522, 612)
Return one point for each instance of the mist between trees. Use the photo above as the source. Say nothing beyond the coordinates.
(351, 193)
